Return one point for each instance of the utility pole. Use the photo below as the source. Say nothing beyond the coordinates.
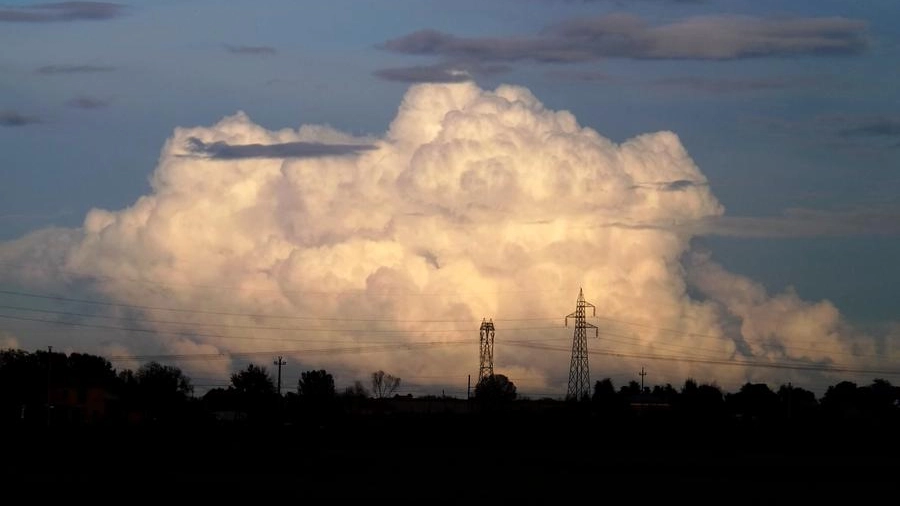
(642, 373)
(49, 378)
(279, 363)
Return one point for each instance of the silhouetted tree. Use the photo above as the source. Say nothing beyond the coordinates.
(632, 389)
(383, 385)
(90, 371)
(605, 400)
(495, 389)
(665, 393)
(754, 401)
(881, 400)
(841, 401)
(158, 391)
(356, 391)
(700, 401)
(315, 400)
(23, 386)
(253, 381)
(317, 384)
(253, 393)
(797, 403)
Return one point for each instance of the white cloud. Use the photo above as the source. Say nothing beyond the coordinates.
(474, 204)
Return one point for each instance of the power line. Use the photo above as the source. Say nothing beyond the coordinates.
(388, 347)
(406, 293)
(252, 338)
(745, 363)
(235, 326)
(247, 315)
(307, 351)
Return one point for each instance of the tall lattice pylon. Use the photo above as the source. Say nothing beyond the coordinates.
(486, 338)
(579, 372)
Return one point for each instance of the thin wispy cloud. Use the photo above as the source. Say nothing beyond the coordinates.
(797, 223)
(873, 127)
(15, 119)
(87, 103)
(61, 11)
(445, 72)
(628, 36)
(73, 69)
(224, 151)
(671, 186)
(424, 74)
(251, 50)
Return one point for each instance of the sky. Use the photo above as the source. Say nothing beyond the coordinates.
(358, 185)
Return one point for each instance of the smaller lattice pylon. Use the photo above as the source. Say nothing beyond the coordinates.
(579, 371)
(486, 355)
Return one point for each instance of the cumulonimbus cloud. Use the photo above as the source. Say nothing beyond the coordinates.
(472, 204)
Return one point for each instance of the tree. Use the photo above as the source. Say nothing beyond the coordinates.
(797, 402)
(700, 400)
(383, 385)
(357, 391)
(253, 381)
(754, 401)
(842, 400)
(495, 389)
(317, 384)
(23, 385)
(159, 392)
(252, 392)
(605, 400)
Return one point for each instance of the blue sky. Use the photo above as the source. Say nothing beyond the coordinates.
(789, 109)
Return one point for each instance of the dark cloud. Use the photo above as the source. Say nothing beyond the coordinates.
(628, 36)
(796, 223)
(73, 69)
(14, 119)
(87, 103)
(679, 185)
(446, 72)
(873, 127)
(252, 50)
(671, 186)
(423, 74)
(224, 151)
(61, 11)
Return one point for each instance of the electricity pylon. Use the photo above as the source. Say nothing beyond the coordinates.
(579, 372)
(486, 338)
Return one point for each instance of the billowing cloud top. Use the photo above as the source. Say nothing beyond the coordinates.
(473, 204)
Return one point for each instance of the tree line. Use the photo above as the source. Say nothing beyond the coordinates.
(45, 387)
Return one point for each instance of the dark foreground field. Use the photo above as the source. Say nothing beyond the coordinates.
(456, 460)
